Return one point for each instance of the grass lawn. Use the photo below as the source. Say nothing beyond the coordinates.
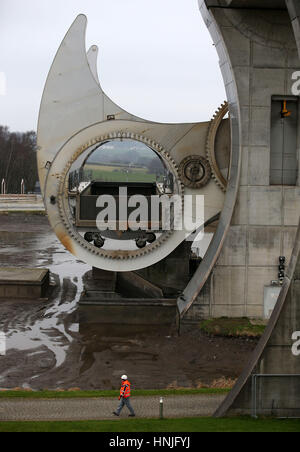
(228, 327)
(41, 213)
(154, 425)
(115, 174)
(95, 394)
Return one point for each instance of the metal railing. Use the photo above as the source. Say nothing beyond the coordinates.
(255, 377)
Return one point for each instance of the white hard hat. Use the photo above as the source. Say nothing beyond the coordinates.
(124, 377)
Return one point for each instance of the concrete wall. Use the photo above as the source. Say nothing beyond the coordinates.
(270, 383)
(201, 308)
(277, 356)
(171, 274)
(262, 58)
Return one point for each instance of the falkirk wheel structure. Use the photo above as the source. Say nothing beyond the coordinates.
(246, 167)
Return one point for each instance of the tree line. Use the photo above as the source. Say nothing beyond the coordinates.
(131, 157)
(18, 160)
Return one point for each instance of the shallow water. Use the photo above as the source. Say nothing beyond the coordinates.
(42, 249)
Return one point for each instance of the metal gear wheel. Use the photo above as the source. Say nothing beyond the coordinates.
(195, 171)
(211, 148)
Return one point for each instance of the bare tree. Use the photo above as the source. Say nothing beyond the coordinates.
(18, 160)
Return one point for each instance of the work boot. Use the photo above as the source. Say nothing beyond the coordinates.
(131, 415)
(116, 414)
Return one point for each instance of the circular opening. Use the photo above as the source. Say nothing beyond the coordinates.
(105, 187)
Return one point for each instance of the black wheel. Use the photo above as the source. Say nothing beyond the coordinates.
(141, 243)
(151, 237)
(99, 243)
(88, 236)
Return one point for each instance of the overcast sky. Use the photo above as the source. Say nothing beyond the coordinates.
(156, 57)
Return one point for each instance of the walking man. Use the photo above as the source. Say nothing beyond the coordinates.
(125, 397)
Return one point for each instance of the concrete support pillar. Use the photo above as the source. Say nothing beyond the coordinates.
(258, 56)
(293, 7)
(107, 280)
(263, 56)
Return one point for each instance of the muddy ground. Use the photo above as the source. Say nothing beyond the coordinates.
(47, 348)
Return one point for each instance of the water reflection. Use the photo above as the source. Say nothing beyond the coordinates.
(45, 338)
(26, 330)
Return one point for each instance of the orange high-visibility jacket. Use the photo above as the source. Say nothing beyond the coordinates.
(125, 389)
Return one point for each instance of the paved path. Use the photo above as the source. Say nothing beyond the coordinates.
(15, 203)
(102, 408)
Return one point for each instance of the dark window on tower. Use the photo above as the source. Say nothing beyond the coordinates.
(284, 134)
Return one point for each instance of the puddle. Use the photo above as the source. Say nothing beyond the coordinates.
(42, 249)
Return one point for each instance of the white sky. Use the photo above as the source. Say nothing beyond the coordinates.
(156, 58)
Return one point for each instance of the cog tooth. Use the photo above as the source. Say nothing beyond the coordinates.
(210, 141)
